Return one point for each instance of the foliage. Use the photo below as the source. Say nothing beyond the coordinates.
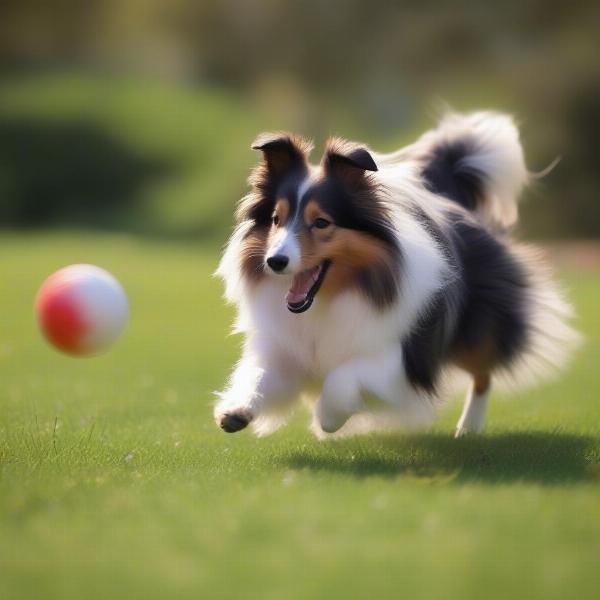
(372, 71)
(117, 153)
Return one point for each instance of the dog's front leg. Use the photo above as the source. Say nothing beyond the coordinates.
(343, 388)
(381, 375)
(340, 398)
(255, 386)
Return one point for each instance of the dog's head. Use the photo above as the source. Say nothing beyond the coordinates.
(326, 228)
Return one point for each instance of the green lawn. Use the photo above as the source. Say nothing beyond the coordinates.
(115, 483)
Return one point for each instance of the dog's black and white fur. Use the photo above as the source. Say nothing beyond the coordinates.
(365, 280)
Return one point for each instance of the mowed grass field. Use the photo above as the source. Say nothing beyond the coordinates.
(115, 482)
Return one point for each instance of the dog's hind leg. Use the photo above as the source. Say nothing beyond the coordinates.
(472, 419)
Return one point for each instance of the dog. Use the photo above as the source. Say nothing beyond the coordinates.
(365, 281)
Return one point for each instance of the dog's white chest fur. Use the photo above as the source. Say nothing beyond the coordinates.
(335, 331)
(326, 336)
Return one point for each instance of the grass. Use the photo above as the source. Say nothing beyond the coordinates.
(115, 483)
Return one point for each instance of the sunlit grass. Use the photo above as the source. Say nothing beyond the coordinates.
(115, 483)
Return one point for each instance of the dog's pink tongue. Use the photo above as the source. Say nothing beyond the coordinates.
(301, 286)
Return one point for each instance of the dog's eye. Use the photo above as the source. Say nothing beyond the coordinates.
(275, 219)
(321, 223)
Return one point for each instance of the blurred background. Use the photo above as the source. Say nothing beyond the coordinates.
(125, 132)
(137, 115)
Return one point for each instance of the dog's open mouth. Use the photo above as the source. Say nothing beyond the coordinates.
(304, 287)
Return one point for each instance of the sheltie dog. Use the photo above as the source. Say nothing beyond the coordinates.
(364, 281)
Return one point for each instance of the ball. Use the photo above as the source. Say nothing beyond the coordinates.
(81, 309)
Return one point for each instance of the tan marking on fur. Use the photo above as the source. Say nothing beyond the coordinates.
(349, 250)
(478, 361)
(352, 250)
(282, 210)
(275, 232)
(252, 254)
(482, 383)
(313, 211)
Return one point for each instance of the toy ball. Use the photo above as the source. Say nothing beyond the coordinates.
(81, 310)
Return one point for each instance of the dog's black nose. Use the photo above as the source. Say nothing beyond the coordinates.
(278, 262)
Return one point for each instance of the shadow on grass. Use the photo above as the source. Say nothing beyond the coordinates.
(541, 457)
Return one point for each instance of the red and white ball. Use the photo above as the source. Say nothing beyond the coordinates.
(82, 309)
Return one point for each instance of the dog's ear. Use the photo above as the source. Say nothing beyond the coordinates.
(282, 151)
(347, 161)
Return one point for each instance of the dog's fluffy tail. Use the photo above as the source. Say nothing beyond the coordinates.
(477, 161)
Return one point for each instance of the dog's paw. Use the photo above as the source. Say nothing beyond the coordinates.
(464, 431)
(460, 432)
(235, 420)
